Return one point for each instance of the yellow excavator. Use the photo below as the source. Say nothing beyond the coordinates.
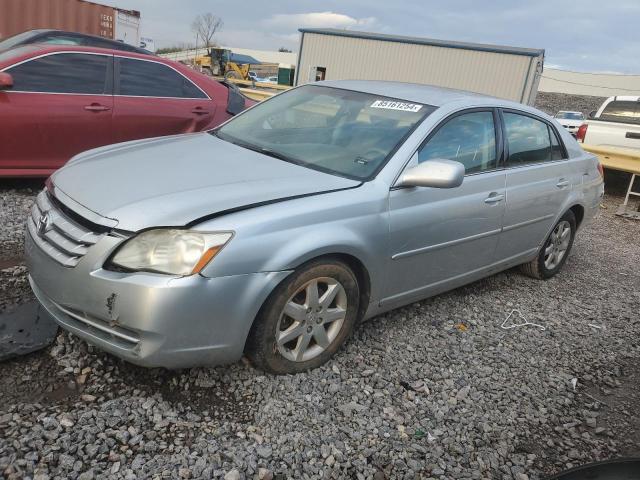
(222, 62)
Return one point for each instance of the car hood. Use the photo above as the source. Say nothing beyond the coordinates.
(173, 181)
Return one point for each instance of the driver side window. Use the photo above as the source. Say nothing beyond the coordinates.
(469, 138)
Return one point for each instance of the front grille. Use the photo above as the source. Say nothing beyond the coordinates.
(59, 236)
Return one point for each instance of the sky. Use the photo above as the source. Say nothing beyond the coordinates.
(584, 35)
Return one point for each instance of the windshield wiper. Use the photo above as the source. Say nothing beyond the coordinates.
(255, 148)
(278, 155)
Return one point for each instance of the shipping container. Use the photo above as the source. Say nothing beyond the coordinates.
(512, 73)
(70, 15)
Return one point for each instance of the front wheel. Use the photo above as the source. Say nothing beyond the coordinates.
(306, 319)
(555, 250)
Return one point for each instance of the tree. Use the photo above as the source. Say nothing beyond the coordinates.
(284, 49)
(205, 26)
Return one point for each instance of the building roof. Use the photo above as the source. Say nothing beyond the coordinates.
(482, 47)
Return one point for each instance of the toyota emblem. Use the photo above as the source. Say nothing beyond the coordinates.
(43, 223)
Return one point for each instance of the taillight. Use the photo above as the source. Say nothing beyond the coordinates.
(582, 131)
(600, 169)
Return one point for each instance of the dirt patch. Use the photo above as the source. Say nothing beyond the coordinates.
(41, 380)
(10, 262)
(38, 378)
(213, 401)
(620, 399)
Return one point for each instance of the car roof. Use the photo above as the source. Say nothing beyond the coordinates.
(117, 44)
(419, 93)
(25, 52)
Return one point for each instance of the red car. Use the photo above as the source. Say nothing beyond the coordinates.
(57, 101)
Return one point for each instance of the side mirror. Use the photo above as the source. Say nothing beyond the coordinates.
(6, 81)
(592, 114)
(437, 173)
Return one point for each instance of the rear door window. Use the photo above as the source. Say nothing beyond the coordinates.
(141, 78)
(528, 139)
(78, 73)
(621, 111)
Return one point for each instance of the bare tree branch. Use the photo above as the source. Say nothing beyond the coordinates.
(205, 26)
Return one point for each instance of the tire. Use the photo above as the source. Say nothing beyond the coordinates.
(543, 266)
(232, 74)
(303, 319)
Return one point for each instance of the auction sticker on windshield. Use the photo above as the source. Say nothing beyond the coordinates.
(389, 105)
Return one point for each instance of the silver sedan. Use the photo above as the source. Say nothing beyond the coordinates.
(323, 206)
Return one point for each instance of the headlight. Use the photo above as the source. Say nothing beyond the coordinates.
(172, 251)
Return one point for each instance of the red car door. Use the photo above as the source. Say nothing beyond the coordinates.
(60, 105)
(152, 99)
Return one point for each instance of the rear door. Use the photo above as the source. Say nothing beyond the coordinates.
(152, 100)
(60, 105)
(539, 182)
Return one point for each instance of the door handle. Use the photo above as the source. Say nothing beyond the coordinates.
(200, 111)
(562, 183)
(634, 135)
(96, 107)
(494, 198)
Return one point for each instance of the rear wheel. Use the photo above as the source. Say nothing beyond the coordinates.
(306, 319)
(555, 251)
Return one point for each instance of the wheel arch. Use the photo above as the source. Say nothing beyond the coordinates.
(355, 264)
(578, 212)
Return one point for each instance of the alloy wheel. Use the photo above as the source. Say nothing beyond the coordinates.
(311, 319)
(557, 245)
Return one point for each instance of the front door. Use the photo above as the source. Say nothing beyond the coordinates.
(441, 236)
(60, 105)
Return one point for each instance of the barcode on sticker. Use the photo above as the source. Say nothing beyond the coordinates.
(390, 105)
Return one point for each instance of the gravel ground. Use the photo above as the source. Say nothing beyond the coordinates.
(552, 103)
(16, 198)
(433, 390)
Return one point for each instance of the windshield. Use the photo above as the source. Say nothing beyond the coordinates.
(342, 132)
(570, 116)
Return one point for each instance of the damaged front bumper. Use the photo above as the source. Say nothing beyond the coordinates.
(149, 319)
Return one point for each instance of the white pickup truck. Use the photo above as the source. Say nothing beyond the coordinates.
(616, 124)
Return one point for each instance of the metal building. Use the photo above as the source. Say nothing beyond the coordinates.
(506, 72)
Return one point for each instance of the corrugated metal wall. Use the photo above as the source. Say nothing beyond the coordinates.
(497, 74)
(595, 84)
(75, 15)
